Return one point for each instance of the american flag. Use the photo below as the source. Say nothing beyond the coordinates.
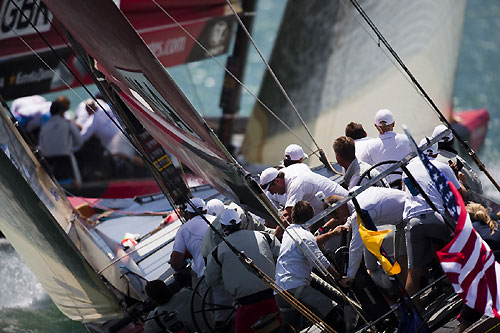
(467, 260)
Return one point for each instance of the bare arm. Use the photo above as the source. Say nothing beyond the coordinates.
(177, 260)
(322, 239)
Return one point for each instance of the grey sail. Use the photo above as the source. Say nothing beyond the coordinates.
(335, 71)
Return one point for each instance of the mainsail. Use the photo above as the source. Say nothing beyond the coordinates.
(335, 71)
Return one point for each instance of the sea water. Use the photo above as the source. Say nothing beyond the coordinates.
(25, 307)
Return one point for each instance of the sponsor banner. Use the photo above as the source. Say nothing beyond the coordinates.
(14, 23)
(172, 46)
(22, 72)
(28, 75)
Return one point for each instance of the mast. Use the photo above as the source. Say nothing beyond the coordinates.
(231, 91)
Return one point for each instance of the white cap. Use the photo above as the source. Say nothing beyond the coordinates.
(440, 129)
(384, 117)
(268, 176)
(198, 203)
(432, 150)
(294, 152)
(229, 217)
(215, 207)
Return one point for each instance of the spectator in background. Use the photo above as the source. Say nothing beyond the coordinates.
(59, 138)
(103, 138)
(32, 112)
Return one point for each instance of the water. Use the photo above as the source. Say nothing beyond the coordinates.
(25, 307)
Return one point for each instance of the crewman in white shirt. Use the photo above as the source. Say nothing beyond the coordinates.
(293, 270)
(189, 238)
(464, 172)
(293, 154)
(389, 146)
(299, 184)
(424, 226)
(385, 207)
(345, 153)
(361, 140)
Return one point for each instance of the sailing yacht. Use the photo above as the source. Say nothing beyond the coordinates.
(80, 262)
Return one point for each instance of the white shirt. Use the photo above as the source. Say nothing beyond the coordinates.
(20, 103)
(305, 184)
(385, 206)
(189, 238)
(293, 268)
(81, 114)
(59, 136)
(416, 204)
(355, 170)
(100, 125)
(360, 146)
(389, 146)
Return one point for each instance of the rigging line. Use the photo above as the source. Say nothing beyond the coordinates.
(47, 65)
(471, 152)
(276, 80)
(393, 62)
(69, 69)
(197, 95)
(232, 75)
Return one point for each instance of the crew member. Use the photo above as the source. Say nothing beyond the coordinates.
(356, 132)
(293, 270)
(385, 207)
(345, 153)
(253, 294)
(190, 236)
(424, 226)
(389, 146)
(298, 186)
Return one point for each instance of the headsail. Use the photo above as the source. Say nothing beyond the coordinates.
(335, 72)
(145, 86)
